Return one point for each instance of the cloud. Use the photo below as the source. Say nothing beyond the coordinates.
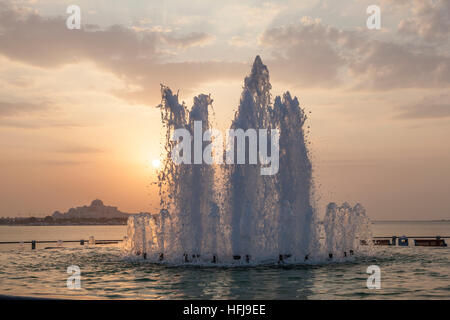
(311, 53)
(384, 66)
(28, 115)
(190, 40)
(42, 162)
(308, 53)
(238, 41)
(135, 56)
(184, 75)
(12, 109)
(79, 150)
(430, 20)
(20, 81)
(53, 163)
(37, 123)
(305, 53)
(46, 42)
(429, 108)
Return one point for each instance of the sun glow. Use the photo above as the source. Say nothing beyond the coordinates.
(156, 163)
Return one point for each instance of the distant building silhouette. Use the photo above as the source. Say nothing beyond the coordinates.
(97, 210)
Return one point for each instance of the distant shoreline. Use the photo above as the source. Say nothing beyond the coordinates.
(394, 221)
(123, 222)
(63, 225)
(33, 221)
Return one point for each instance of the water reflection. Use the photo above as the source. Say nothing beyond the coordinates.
(406, 273)
(236, 283)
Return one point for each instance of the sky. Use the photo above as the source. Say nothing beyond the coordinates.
(77, 107)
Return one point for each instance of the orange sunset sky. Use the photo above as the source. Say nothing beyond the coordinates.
(77, 107)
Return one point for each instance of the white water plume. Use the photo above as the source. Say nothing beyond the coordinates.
(231, 213)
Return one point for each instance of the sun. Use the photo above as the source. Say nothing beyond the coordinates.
(156, 163)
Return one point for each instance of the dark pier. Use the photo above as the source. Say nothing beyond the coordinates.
(403, 241)
(82, 242)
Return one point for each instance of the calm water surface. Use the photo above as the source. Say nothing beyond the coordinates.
(406, 273)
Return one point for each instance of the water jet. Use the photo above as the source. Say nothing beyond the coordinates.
(230, 209)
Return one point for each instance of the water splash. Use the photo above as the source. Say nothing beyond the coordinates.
(231, 213)
(346, 229)
(252, 196)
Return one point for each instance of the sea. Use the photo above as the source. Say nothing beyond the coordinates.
(105, 273)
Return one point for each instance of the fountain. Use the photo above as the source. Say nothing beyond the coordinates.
(233, 213)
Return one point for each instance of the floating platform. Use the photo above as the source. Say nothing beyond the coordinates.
(60, 242)
(403, 241)
(430, 243)
(382, 242)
